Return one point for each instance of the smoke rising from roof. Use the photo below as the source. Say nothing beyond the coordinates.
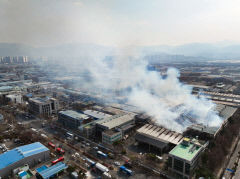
(166, 99)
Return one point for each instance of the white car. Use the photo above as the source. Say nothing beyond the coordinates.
(96, 148)
(117, 163)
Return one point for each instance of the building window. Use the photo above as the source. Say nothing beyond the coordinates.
(187, 168)
(178, 165)
(170, 162)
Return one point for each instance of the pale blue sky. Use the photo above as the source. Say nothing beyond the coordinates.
(119, 22)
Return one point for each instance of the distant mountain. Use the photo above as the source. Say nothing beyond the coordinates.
(206, 50)
(223, 50)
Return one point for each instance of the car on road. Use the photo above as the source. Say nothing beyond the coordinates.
(117, 163)
(95, 148)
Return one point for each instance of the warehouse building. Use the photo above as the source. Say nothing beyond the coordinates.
(208, 132)
(43, 106)
(157, 137)
(45, 172)
(183, 159)
(221, 98)
(30, 154)
(71, 119)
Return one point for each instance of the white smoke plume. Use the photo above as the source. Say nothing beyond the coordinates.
(166, 99)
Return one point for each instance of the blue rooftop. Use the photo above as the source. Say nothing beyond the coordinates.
(19, 153)
(22, 174)
(40, 169)
(51, 171)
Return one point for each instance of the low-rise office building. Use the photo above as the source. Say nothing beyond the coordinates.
(30, 154)
(15, 98)
(183, 158)
(43, 106)
(111, 136)
(71, 119)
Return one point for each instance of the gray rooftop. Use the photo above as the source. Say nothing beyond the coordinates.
(74, 114)
(116, 120)
(205, 129)
(5, 88)
(160, 134)
(225, 112)
(96, 114)
(40, 100)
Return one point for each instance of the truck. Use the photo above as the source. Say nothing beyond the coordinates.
(101, 154)
(92, 163)
(60, 150)
(51, 145)
(101, 167)
(125, 170)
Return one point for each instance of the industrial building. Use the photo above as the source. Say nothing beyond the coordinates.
(121, 121)
(208, 132)
(71, 119)
(45, 172)
(222, 98)
(43, 106)
(183, 159)
(30, 154)
(157, 137)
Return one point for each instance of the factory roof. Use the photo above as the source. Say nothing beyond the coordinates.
(74, 114)
(187, 149)
(96, 114)
(160, 134)
(206, 129)
(48, 172)
(116, 120)
(225, 112)
(220, 94)
(5, 88)
(19, 153)
(113, 110)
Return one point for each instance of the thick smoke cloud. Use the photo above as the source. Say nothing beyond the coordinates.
(168, 101)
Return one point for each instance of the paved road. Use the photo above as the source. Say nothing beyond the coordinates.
(233, 159)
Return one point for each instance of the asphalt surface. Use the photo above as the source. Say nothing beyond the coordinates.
(233, 159)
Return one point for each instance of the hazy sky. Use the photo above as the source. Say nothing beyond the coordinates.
(119, 22)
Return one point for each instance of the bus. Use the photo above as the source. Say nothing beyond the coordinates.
(57, 160)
